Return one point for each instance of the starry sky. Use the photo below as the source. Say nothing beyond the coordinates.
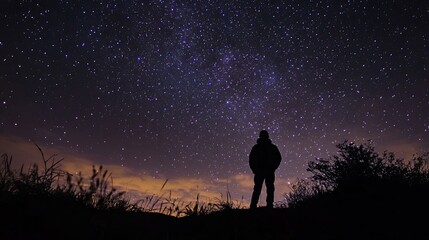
(179, 90)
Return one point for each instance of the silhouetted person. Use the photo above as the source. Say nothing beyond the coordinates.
(264, 159)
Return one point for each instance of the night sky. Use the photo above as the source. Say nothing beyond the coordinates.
(181, 89)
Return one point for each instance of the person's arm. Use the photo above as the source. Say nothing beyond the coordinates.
(278, 157)
(252, 160)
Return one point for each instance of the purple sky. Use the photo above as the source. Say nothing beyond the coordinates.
(179, 90)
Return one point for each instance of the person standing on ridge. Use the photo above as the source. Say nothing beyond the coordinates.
(264, 159)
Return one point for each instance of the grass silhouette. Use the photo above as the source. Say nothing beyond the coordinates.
(355, 194)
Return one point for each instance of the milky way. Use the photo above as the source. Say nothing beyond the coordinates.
(182, 88)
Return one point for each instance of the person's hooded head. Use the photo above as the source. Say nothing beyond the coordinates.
(264, 137)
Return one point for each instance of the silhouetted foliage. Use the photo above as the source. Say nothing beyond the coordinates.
(96, 192)
(6, 175)
(302, 191)
(359, 169)
(49, 182)
(227, 203)
(32, 180)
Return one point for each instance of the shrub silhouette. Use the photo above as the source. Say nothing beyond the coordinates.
(359, 169)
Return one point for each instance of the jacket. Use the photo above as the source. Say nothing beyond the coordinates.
(264, 157)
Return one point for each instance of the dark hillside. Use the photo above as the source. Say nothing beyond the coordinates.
(341, 218)
(338, 219)
(45, 217)
(357, 194)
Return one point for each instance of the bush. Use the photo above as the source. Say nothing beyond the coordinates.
(359, 169)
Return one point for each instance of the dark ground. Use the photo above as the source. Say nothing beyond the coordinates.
(347, 218)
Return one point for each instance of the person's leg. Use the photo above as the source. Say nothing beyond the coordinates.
(269, 183)
(258, 180)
